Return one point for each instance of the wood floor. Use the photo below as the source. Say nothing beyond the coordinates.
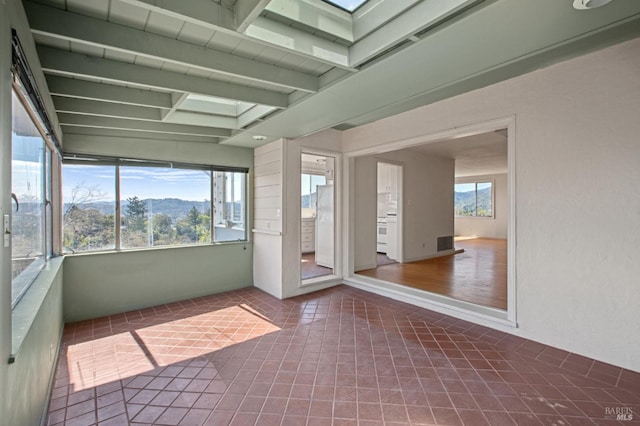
(478, 275)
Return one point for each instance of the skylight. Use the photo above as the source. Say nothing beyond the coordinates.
(348, 5)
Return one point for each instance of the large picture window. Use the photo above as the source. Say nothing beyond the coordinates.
(132, 204)
(474, 199)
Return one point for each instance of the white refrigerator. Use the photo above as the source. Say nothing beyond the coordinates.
(324, 226)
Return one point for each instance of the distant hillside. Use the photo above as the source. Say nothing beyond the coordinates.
(172, 207)
(465, 203)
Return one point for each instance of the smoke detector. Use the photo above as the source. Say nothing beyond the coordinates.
(589, 4)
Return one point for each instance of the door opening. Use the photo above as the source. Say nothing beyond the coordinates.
(317, 236)
(389, 192)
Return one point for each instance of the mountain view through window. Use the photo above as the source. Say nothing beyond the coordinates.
(158, 206)
(473, 199)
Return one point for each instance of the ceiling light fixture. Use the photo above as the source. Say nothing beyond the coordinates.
(259, 138)
(589, 4)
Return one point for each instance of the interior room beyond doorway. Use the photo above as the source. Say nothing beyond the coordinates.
(456, 215)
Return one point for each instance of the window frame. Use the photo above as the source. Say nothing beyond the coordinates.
(476, 181)
(310, 174)
(117, 163)
(50, 152)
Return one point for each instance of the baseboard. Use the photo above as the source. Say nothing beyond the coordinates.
(490, 317)
(431, 256)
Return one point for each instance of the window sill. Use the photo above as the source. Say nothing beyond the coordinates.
(25, 312)
(474, 217)
(134, 250)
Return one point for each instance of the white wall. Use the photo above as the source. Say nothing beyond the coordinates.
(365, 204)
(427, 205)
(267, 234)
(577, 168)
(493, 227)
(427, 202)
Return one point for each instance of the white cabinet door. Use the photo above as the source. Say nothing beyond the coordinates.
(383, 178)
(308, 235)
(324, 226)
(392, 238)
(393, 183)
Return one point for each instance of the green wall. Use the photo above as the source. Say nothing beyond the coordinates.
(107, 283)
(25, 391)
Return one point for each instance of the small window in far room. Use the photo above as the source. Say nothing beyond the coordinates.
(474, 199)
(309, 193)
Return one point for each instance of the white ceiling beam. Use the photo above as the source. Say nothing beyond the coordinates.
(421, 16)
(242, 107)
(201, 12)
(60, 61)
(196, 105)
(211, 15)
(57, 23)
(69, 87)
(199, 119)
(118, 134)
(246, 11)
(139, 125)
(250, 116)
(282, 35)
(176, 100)
(315, 14)
(105, 109)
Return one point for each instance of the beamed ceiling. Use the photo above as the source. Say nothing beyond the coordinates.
(223, 71)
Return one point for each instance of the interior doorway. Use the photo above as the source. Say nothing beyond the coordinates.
(458, 201)
(317, 220)
(389, 211)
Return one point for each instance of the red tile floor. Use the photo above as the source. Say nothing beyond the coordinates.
(336, 357)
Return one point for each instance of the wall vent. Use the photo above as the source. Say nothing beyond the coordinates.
(445, 243)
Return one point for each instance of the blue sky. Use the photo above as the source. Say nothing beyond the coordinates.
(144, 182)
(350, 5)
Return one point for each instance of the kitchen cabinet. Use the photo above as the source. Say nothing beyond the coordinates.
(384, 178)
(392, 237)
(308, 235)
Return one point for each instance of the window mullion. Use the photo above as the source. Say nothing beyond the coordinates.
(243, 204)
(118, 213)
(211, 208)
(475, 211)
